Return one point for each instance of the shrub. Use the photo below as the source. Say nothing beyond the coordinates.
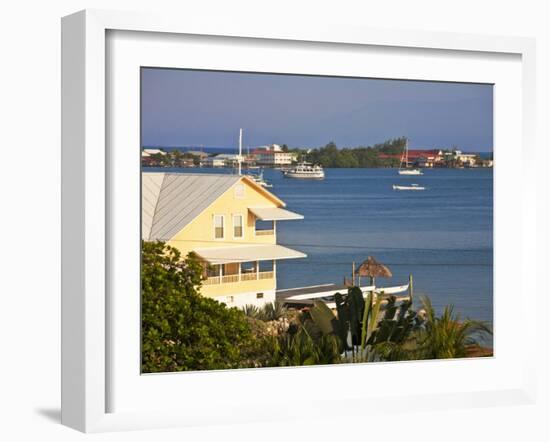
(182, 330)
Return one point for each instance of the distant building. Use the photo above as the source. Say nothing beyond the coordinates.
(273, 156)
(273, 147)
(213, 162)
(466, 159)
(197, 153)
(221, 160)
(424, 158)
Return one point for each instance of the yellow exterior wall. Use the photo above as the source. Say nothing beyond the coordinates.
(199, 234)
(234, 288)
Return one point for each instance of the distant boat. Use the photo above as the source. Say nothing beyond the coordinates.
(259, 179)
(405, 162)
(411, 187)
(410, 172)
(305, 171)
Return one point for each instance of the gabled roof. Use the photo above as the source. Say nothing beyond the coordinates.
(170, 201)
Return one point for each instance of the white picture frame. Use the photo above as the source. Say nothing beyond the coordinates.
(87, 356)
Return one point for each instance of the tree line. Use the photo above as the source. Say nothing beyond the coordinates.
(352, 157)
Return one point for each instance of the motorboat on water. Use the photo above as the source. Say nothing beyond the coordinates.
(411, 187)
(305, 171)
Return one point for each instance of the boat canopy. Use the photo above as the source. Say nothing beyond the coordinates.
(255, 252)
(274, 214)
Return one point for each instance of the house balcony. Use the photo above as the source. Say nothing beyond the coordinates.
(228, 279)
(265, 232)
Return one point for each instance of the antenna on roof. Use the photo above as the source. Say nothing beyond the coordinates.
(240, 149)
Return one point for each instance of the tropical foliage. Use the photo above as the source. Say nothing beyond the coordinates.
(270, 311)
(171, 158)
(447, 336)
(364, 326)
(182, 330)
(302, 348)
(331, 156)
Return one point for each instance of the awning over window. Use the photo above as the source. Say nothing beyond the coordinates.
(255, 252)
(274, 214)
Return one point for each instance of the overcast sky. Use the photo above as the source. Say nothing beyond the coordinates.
(194, 108)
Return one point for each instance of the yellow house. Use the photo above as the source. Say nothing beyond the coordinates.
(229, 221)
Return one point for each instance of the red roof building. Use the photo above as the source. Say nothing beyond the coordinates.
(425, 158)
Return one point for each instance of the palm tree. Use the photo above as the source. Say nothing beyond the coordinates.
(446, 336)
(272, 311)
(300, 348)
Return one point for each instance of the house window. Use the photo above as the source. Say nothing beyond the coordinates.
(264, 227)
(259, 295)
(218, 226)
(238, 226)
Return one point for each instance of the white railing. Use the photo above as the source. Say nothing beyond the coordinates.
(265, 275)
(228, 279)
(248, 276)
(267, 232)
(211, 280)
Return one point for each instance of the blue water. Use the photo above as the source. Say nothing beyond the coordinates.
(443, 235)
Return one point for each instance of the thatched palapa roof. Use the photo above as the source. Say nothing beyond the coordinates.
(371, 267)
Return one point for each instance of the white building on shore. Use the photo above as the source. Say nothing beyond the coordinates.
(273, 156)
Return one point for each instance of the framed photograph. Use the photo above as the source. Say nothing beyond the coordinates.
(250, 209)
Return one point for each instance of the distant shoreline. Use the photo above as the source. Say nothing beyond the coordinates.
(145, 166)
(216, 150)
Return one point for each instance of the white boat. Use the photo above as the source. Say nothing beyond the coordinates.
(305, 171)
(405, 162)
(307, 295)
(410, 172)
(411, 187)
(259, 179)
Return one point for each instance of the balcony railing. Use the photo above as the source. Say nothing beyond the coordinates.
(248, 276)
(228, 279)
(266, 232)
(211, 280)
(265, 275)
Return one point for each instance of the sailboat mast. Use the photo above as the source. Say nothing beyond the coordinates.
(240, 149)
(406, 153)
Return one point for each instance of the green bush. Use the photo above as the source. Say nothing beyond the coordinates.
(182, 330)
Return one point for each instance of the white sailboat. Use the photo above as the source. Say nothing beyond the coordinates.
(259, 178)
(405, 161)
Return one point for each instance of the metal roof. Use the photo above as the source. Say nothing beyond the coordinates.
(274, 214)
(255, 252)
(170, 201)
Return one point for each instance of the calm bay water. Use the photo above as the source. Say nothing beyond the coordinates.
(443, 235)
